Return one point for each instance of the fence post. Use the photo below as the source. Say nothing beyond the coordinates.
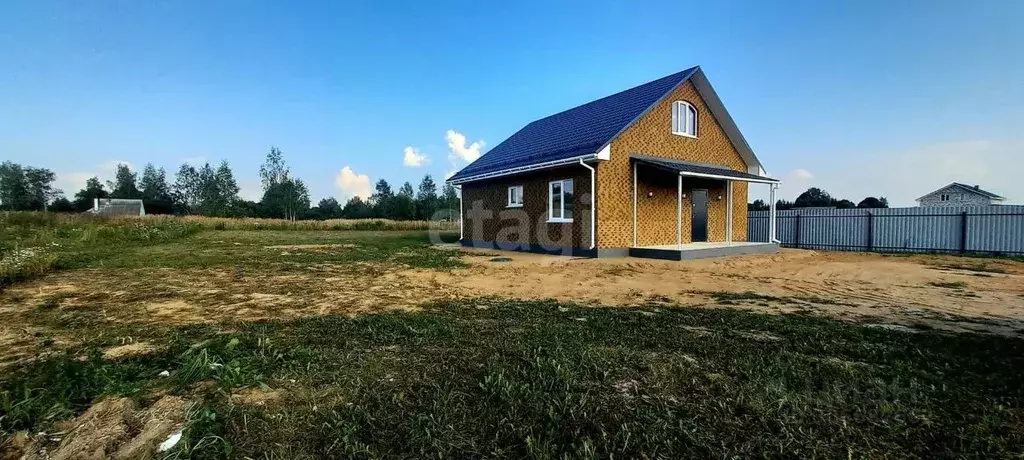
(963, 232)
(871, 231)
(797, 242)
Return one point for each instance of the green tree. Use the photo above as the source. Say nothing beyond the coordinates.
(328, 208)
(39, 182)
(156, 193)
(814, 197)
(844, 204)
(382, 200)
(93, 189)
(217, 189)
(283, 196)
(357, 208)
(404, 204)
(757, 205)
(426, 199)
(872, 202)
(274, 170)
(124, 185)
(288, 199)
(450, 201)
(187, 188)
(14, 193)
(61, 204)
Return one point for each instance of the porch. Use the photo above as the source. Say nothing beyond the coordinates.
(690, 251)
(684, 210)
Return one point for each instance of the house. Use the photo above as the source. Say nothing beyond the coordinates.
(659, 170)
(957, 194)
(117, 207)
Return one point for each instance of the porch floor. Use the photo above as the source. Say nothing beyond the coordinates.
(702, 250)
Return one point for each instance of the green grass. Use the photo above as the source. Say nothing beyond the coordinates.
(489, 378)
(33, 244)
(726, 297)
(981, 267)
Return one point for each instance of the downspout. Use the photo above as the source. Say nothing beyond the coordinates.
(593, 195)
(461, 235)
(772, 224)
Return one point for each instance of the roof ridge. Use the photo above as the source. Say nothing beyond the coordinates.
(564, 133)
(679, 74)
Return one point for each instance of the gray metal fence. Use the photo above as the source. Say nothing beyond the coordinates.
(984, 229)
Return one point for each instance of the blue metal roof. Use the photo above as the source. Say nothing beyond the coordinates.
(578, 131)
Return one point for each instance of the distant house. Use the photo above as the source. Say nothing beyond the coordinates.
(661, 166)
(117, 207)
(957, 194)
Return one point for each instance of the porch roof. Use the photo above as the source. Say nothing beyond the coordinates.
(687, 168)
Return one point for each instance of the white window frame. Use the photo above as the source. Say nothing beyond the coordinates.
(551, 196)
(943, 197)
(680, 126)
(515, 191)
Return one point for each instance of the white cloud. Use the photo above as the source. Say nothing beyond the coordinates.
(73, 181)
(112, 165)
(412, 158)
(448, 175)
(351, 184)
(458, 150)
(801, 174)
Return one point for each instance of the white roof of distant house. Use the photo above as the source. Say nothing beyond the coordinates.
(976, 189)
(118, 207)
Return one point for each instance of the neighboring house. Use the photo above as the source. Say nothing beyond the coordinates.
(669, 165)
(117, 207)
(957, 194)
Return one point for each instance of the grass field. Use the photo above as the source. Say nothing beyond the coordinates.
(321, 343)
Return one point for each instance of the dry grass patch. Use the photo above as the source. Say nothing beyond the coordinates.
(128, 350)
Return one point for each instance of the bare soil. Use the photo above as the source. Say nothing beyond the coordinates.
(899, 289)
(944, 292)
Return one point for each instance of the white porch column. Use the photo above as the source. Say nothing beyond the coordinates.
(771, 214)
(634, 203)
(679, 213)
(728, 211)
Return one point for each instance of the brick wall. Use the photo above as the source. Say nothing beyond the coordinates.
(656, 221)
(487, 217)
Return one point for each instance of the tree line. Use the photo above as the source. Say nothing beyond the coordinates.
(817, 198)
(213, 191)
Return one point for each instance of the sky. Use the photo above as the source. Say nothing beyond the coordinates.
(860, 98)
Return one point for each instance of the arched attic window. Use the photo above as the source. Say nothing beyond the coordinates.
(684, 119)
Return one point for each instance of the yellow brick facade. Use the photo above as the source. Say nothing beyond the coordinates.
(657, 197)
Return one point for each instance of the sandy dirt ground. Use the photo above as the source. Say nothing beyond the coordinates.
(943, 292)
(912, 292)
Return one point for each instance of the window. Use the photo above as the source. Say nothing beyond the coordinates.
(515, 196)
(560, 201)
(944, 197)
(684, 119)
